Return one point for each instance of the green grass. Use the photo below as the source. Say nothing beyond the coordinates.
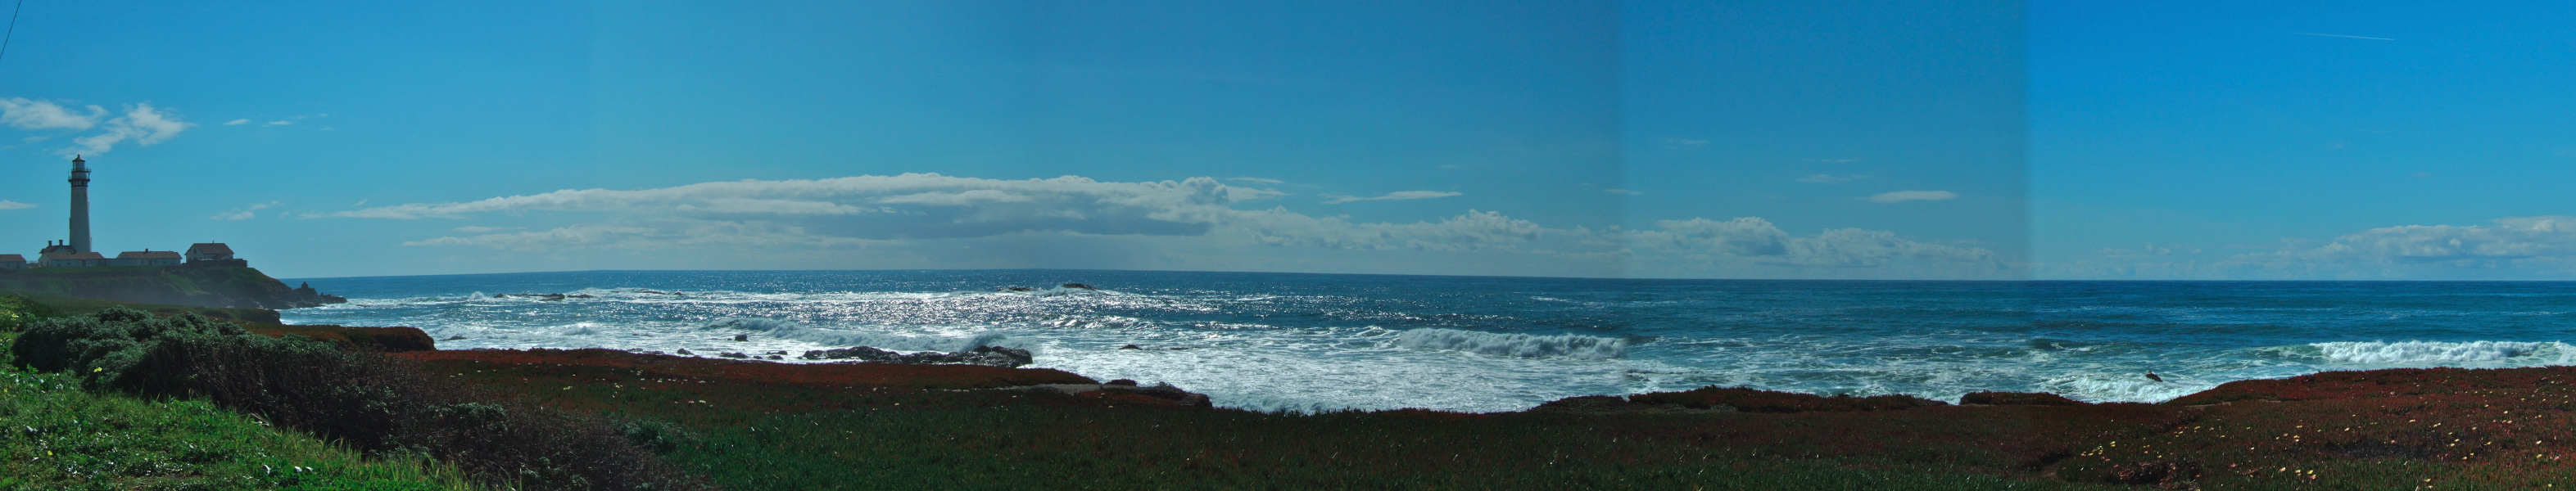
(54, 435)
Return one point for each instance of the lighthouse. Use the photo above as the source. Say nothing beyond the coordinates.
(80, 205)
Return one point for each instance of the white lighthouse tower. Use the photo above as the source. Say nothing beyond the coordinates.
(80, 206)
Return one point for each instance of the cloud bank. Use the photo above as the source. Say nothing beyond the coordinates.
(2511, 247)
(1196, 218)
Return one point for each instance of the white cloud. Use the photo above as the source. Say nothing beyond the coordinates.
(2513, 247)
(1622, 192)
(1904, 196)
(143, 124)
(278, 123)
(1258, 180)
(1394, 196)
(13, 205)
(1831, 179)
(28, 114)
(237, 122)
(1195, 217)
(485, 230)
(244, 213)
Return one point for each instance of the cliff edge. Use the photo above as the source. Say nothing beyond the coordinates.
(224, 287)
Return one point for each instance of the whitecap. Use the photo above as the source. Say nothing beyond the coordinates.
(2422, 352)
(879, 340)
(1521, 345)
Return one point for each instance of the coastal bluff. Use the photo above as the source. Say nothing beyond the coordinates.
(238, 287)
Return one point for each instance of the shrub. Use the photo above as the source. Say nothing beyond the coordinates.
(381, 405)
(16, 311)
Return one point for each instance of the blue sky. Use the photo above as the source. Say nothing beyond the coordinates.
(1884, 140)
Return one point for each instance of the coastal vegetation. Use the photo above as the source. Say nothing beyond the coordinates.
(384, 407)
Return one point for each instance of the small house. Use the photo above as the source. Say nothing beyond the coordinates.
(146, 257)
(12, 261)
(73, 259)
(209, 251)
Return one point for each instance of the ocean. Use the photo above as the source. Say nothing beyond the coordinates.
(1320, 342)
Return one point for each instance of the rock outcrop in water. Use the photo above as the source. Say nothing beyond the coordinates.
(991, 356)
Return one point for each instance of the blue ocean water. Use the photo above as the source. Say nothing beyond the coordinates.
(1320, 342)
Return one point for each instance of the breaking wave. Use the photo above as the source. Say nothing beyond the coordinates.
(886, 341)
(2406, 352)
(1521, 345)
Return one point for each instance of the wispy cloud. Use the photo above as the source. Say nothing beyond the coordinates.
(278, 123)
(1394, 196)
(143, 124)
(1831, 179)
(13, 205)
(1257, 180)
(1904, 196)
(237, 122)
(28, 114)
(244, 213)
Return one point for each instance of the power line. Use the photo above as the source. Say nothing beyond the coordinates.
(13, 27)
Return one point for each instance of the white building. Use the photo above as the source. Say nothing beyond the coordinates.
(146, 257)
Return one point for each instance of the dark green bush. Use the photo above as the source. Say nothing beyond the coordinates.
(382, 405)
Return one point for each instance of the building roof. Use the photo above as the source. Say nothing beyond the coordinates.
(12, 258)
(209, 248)
(147, 255)
(74, 255)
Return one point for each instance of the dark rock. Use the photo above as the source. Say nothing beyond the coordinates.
(1080, 286)
(1015, 289)
(776, 357)
(2018, 399)
(776, 353)
(1125, 382)
(657, 292)
(742, 337)
(1763, 401)
(1165, 391)
(579, 296)
(453, 338)
(993, 356)
(685, 351)
(730, 354)
(1131, 346)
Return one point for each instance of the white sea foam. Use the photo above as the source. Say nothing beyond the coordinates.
(879, 340)
(1522, 345)
(2422, 352)
(2122, 388)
